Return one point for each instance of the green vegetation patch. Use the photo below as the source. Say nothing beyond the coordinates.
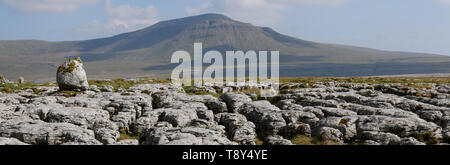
(66, 70)
(306, 140)
(124, 136)
(258, 141)
(13, 87)
(191, 91)
(126, 84)
(71, 67)
(69, 93)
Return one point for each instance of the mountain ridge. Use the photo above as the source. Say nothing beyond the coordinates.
(133, 53)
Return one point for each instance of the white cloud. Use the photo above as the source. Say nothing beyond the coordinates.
(121, 18)
(199, 9)
(131, 17)
(47, 5)
(259, 12)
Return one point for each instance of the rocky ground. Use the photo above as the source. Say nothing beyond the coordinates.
(167, 114)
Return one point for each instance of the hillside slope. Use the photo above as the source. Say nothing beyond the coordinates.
(148, 51)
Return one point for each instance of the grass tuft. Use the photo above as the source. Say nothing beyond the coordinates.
(306, 140)
(124, 136)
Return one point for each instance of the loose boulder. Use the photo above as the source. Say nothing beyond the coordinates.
(71, 75)
(21, 80)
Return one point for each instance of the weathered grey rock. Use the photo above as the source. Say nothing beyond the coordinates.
(238, 128)
(201, 123)
(370, 142)
(381, 101)
(415, 106)
(267, 117)
(293, 129)
(432, 116)
(173, 139)
(11, 141)
(124, 119)
(145, 123)
(175, 117)
(367, 110)
(446, 134)
(299, 117)
(198, 88)
(178, 117)
(83, 117)
(269, 123)
(36, 111)
(97, 120)
(78, 143)
(205, 114)
(317, 112)
(202, 103)
(443, 88)
(126, 109)
(276, 140)
(107, 88)
(81, 101)
(10, 99)
(166, 124)
(106, 131)
(330, 134)
(311, 101)
(346, 125)
(381, 138)
(369, 93)
(288, 104)
(94, 88)
(403, 127)
(169, 99)
(187, 136)
(217, 106)
(235, 100)
(7, 112)
(410, 141)
(260, 106)
(156, 88)
(46, 100)
(46, 91)
(361, 112)
(71, 75)
(336, 112)
(89, 92)
(227, 89)
(127, 142)
(39, 132)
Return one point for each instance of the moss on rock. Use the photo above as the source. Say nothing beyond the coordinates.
(71, 67)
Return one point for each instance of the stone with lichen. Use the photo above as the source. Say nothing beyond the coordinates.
(71, 75)
(21, 80)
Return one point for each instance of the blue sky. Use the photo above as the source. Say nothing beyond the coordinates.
(397, 25)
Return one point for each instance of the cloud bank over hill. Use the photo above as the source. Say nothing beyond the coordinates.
(54, 6)
(120, 19)
(260, 12)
